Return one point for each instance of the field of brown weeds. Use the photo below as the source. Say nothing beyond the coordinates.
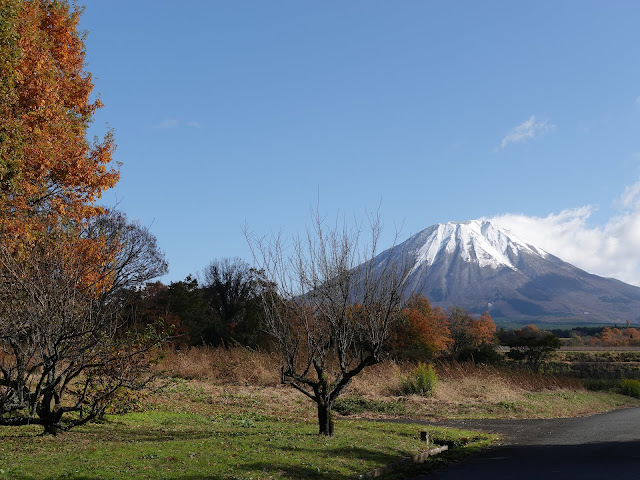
(250, 379)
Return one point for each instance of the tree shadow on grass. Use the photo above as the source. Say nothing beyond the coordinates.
(373, 458)
(597, 460)
(122, 435)
(146, 435)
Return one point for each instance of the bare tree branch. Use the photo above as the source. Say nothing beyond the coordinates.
(329, 303)
(61, 350)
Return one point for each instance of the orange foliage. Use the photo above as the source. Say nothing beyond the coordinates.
(593, 341)
(423, 331)
(85, 260)
(47, 166)
(50, 174)
(632, 333)
(483, 330)
(611, 336)
(469, 333)
(617, 337)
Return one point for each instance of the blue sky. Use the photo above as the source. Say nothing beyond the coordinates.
(233, 113)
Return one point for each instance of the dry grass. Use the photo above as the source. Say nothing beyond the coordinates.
(468, 390)
(383, 379)
(380, 380)
(518, 378)
(241, 366)
(222, 366)
(241, 378)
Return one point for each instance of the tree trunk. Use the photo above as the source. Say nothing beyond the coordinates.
(49, 417)
(51, 429)
(325, 419)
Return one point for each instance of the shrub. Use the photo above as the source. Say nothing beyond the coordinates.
(421, 381)
(482, 355)
(630, 387)
(600, 384)
(530, 345)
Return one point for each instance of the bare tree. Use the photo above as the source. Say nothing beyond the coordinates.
(136, 257)
(329, 303)
(230, 288)
(59, 348)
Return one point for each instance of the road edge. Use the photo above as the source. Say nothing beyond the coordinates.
(418, 458)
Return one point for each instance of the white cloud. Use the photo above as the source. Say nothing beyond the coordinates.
(527, 130)
(167, 123)
(629, 198)
(611, 250)
(193, 124)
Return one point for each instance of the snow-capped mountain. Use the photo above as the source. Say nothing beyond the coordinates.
(476, 241)
(479, 266)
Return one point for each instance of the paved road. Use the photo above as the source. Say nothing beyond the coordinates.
(605, 446)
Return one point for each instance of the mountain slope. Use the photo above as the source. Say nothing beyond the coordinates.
(479, 266)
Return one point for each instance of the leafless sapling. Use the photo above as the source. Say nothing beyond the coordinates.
(329, 303)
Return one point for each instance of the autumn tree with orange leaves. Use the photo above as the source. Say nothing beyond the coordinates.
(61, 258)
(616, 337)
(469, 332)
(49, 171)
(50, 174)
(422, 332)
(470, 335)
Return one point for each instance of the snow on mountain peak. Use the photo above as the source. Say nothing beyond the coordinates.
(477, 241)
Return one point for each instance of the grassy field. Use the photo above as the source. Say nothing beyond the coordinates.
(192, 430)
(222, 415)
(173, 445)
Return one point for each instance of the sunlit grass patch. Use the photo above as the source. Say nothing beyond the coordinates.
(163, 444)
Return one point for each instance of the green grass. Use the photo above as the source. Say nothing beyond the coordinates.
(600, 384)
(545, 404)
(355, 405)
(569, 404)
(166, 445)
